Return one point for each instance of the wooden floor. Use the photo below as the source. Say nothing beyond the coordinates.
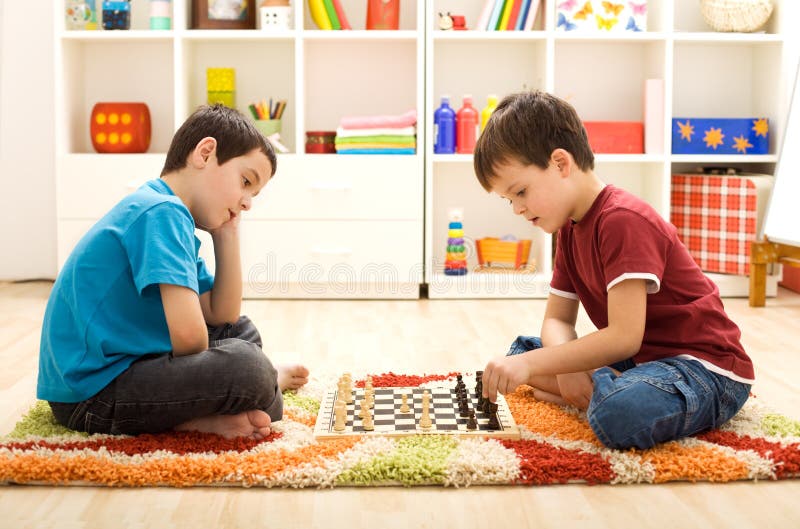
(406, 336)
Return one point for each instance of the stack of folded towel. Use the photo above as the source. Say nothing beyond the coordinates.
(378, 134)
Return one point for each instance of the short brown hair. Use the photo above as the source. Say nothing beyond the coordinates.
(528, 127)
(235, 135)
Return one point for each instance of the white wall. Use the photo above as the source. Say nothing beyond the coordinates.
(27, 165)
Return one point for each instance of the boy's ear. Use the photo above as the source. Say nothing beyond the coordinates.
(562, 160)
(203, 151)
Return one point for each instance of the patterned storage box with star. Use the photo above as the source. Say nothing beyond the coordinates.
(718, 216)
(601, 15)
(720, 135)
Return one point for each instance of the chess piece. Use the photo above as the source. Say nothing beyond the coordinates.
(370, 399)
(340, 416)
(364, 409)
(404, 407)
(367, 423)
(472, 424)
(425, 421)
(494, 423)
(348, 388)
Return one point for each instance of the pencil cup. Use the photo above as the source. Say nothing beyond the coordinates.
(268, 127)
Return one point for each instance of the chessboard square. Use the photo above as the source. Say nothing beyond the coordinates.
(406, 427)
(384, 422)
(383, 411)
(446, 427)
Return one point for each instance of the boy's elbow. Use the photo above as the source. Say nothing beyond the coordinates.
(189, 343)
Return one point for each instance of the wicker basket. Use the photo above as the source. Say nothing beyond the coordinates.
(736, 15)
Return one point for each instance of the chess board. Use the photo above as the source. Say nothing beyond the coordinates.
(391, 422)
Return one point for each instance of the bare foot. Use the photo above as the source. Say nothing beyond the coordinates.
(291, 376)
(253, 424)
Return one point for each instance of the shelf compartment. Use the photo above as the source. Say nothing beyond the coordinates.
(616, 92)
(689, 18)
(93, 72)
(264, 70)
(519, 64)
(485, 215)
(734, 88)
(381, 79)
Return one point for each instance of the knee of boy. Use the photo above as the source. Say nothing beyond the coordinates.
(256, 368)
(620, 423)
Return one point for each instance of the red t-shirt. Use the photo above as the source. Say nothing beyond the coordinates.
(622, 237)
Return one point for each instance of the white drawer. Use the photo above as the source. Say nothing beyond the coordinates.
(90, 185)
(343, 187)
(313, 252)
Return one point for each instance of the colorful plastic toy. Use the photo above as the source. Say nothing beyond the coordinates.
(221, 86)
(455, 263)
(492, 251)
(120, 127)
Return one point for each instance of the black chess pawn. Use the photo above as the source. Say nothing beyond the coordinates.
(463, 410)
(472, 424)
(494, 423)
(459, 379)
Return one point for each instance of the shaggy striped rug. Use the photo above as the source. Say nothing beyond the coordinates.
(557, 446)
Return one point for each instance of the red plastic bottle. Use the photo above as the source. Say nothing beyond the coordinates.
(467, 120)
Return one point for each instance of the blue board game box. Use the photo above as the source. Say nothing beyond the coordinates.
(720, 135)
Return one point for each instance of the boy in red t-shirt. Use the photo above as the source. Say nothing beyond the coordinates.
(666, 361)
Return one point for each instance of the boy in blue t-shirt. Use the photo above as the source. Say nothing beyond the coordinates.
(138, 336)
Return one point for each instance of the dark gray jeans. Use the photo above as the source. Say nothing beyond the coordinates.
(161, 391)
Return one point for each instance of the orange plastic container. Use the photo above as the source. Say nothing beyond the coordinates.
(493, 251)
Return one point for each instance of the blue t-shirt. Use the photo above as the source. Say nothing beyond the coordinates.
(105, 309)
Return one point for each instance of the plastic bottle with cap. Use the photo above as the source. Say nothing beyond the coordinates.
(444, 128)
(486, 113)
(466, 127)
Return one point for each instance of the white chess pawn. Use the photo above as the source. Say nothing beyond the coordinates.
(340, 414)
(364, 409)
(370, 399)
(404, 407)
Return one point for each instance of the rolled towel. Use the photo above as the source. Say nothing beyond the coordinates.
(388, 131)
(374, 122)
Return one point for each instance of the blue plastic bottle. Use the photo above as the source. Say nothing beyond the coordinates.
(444, 128)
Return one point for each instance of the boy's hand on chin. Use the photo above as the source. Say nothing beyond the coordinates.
(229, 227)
(503, 374)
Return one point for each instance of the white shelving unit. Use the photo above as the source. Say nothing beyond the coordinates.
(375, 226)
(328, 225)
(705, 74)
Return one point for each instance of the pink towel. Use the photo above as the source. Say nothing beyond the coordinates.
(374, 122)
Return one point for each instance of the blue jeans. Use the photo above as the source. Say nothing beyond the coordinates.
(161, 391)
(655, 402)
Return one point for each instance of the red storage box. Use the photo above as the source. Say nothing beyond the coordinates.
(791, 278)
(718, 217)
(615, 137)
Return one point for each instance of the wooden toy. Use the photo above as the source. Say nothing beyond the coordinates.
(441, 410)
(120, 127)
(493, 251)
